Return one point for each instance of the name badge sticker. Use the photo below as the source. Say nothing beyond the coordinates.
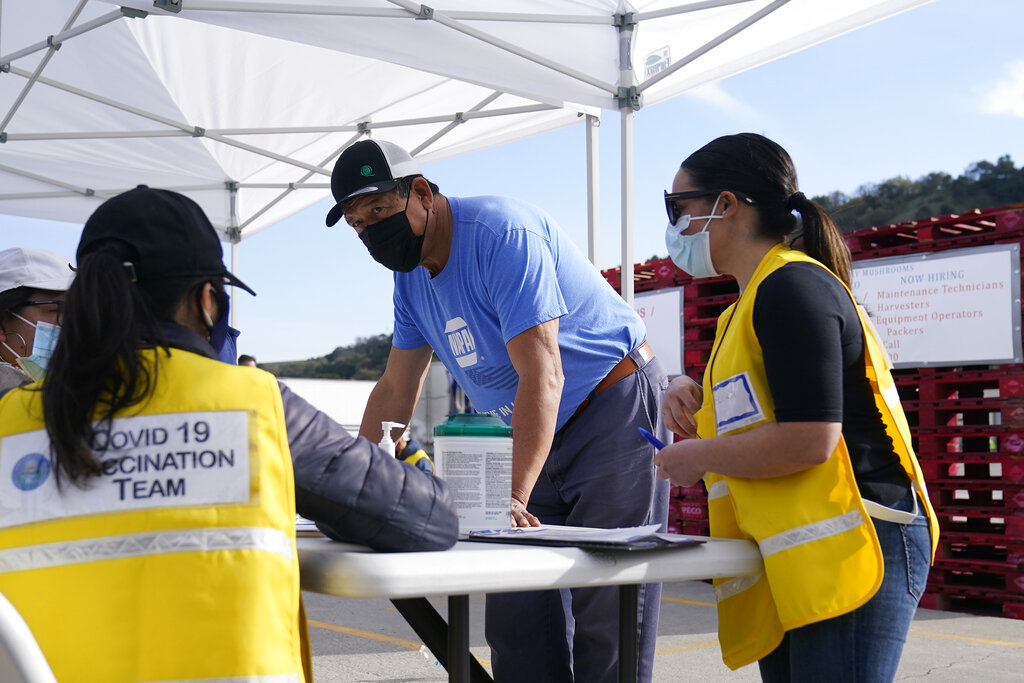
(736, 404)
(150, 461)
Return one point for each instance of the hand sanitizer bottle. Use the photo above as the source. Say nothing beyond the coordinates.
(386, 443)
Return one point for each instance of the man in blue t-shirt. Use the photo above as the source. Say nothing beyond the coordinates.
(533, 334)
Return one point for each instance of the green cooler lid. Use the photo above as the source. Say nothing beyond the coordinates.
(472, 424)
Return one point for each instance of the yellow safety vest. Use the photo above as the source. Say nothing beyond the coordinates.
(821, 555)
(179, 561)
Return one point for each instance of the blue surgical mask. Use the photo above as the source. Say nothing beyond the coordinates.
(43, 344)
(692, 253)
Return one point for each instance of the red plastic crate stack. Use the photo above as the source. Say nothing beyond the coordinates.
(968, 430)
(688, 510)
(967, 422)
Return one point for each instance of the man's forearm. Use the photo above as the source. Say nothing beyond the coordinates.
(533, 427)
(384, 404)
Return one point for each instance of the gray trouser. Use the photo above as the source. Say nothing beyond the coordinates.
(599, 473)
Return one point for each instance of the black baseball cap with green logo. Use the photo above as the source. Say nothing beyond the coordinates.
(368, 167)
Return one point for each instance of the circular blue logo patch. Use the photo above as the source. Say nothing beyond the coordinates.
(31, 471)
(366, 171)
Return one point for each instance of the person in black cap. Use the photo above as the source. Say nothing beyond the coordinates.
(533, 334)
(170, 480)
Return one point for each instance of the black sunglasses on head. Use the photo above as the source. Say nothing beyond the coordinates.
(672, 197)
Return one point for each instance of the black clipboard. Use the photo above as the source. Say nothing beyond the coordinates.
(585, 539)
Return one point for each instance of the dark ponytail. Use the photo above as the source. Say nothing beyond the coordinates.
(762, 170)
(96, 370)
(822, 240)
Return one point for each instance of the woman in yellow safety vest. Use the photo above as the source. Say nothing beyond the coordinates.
(797, 430)
(148, 490)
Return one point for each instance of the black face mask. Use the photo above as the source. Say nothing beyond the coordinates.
(392, 243)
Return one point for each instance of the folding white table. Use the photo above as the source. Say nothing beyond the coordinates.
(352, 571)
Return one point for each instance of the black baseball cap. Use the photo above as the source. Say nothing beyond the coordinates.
(169, 232)
(368, 167)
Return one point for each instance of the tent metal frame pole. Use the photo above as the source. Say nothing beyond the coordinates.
(197, 130)
(292, 186)
(443, 19)
(592, 124)
(459, 120)
(38, 195)
(235, 236)
(108, 135)
(447, 118)
(298, 185)
(686, 9)
(175, 188)
(278, 8)
(626, 141)
(628, 101)
(65, 35)
(52, 50)
(712, 44)
(28, 86)
(233, 310)
(296, 130)
(85, 191)
(364, 130)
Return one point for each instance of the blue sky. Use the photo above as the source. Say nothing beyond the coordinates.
(934, 89)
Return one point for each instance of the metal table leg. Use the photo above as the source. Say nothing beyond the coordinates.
(629, 640)
(458, 638)
(433, 631)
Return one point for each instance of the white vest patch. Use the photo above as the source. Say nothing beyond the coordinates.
(151, 461)
(736, 404)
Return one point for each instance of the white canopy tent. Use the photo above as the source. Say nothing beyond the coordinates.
(244, 106)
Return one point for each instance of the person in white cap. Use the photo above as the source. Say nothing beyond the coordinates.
(32, 287)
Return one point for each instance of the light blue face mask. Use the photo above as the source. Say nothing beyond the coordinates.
(692, 253)
(43, 344)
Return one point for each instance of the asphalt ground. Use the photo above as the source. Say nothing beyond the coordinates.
(367, 640)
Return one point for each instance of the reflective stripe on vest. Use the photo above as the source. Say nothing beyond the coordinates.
(891, 396)
(719, 489)
(149, 543)
(271, 678)
(810, 532)
(735, 586)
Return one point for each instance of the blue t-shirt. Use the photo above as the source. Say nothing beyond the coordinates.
(511, 268)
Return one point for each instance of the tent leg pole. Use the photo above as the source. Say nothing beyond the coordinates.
(593, 190)
(626, 173)
(234, 269)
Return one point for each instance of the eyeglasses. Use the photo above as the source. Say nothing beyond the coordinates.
(672, 197)
(51, 306)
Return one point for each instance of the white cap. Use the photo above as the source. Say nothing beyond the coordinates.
(35, 268)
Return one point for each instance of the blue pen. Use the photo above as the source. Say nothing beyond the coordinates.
(655, 441)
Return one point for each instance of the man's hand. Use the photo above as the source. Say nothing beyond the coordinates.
(520, 517)
(682, 400)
